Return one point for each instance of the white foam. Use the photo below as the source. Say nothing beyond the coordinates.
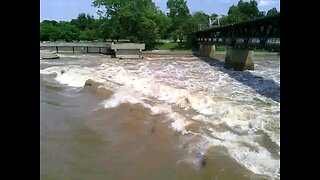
(259, 161)
(233, 115)
(188, 85)
(123, 95)
(160, 109)
(51, 70)
(73, 76)
(199, 117)
(165, 92)
(245, 151)
(179, 122)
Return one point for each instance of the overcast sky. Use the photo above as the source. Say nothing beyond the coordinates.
(69, 9)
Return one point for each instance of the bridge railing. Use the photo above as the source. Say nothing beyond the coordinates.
(259, 33)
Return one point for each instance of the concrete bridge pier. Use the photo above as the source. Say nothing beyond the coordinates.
(239, 59)
(207, 50)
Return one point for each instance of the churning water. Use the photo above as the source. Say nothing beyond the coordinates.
(159, 118)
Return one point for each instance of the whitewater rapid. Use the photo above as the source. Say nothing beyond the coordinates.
(229, 112)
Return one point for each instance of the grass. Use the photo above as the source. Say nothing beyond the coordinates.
(221, 48)
(170, 46)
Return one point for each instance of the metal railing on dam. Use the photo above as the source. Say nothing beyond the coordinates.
(82, 47)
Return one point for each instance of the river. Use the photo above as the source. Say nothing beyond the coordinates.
(158, 118)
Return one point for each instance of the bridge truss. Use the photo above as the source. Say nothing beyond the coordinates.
(260, 33)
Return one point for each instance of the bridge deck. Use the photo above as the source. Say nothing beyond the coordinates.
(261, 32)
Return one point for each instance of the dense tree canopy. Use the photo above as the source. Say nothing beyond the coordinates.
(136, 19)
(272, 11)
(200, 18)
(242, 12)
(163, 23)
(142, 21)
(248, 9)
(179, 14)
(83, 21)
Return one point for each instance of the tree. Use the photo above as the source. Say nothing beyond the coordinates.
(84, 21)
(102, 29)
(130, 18)
(272, 11)
(234, 14)
(201, 18)
(45, 31)
(178, 9)
(88, 35)
(242, 12)
(261, 14)
(195, 21)
(67, 32)
(233, 10)
(179, 14)
(163, 23)
(248, 9)
(49, 23)
(49, 31)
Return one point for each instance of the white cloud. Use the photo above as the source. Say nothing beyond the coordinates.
(266, 3)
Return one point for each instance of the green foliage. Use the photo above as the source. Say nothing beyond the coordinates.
(171, 46)
(221, 48)
(242, 12)
(179, 14)
(191, 41)
(163, 23)
(87, 35)
(136, 20)
(67, 32)
(174, 35)
(233, 10)
(102, 29)
(83, 22)
(192, 25)
(201, 18)
(248, 9)
(272, 11)
(141, 21)
(178, 10)
(48, 30)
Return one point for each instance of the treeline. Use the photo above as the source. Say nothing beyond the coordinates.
(142, 21)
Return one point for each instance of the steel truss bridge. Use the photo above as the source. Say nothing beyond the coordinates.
(259, 33)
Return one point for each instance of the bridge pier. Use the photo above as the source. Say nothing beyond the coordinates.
(207, 50)
(239, 59)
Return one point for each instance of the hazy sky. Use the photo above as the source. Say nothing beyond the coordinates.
(69, 9)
